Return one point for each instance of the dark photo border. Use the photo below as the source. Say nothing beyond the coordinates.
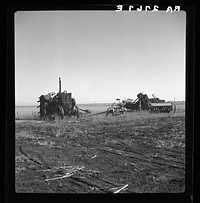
(12, 196)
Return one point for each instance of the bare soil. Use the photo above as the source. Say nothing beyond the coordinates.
(144, 153)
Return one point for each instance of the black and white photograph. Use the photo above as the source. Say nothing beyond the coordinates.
(100, 101)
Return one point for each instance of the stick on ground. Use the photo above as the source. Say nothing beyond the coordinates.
(121, 189)
(65, 176)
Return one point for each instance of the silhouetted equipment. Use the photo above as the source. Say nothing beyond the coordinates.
(153, 105)
(60, 104)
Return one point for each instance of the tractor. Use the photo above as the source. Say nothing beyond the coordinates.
(57, 105)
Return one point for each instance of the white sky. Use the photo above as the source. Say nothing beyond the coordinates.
(99, 55)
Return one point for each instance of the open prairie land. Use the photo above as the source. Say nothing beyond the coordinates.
(133, 153)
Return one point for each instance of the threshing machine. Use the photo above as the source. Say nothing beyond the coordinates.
(153, 105)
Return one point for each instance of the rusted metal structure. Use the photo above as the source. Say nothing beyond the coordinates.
(60, 104)
(116, 110)
(153, 105)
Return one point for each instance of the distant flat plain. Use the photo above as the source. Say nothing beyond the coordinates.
(31, 111)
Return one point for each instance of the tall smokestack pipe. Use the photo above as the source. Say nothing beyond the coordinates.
(59, 85)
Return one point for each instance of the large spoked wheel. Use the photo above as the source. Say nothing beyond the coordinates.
(123, 110)
(59, 112)
(77, 112)
(174, 108)
(109, 111)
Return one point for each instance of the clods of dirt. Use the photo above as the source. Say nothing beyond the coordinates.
(126, 154)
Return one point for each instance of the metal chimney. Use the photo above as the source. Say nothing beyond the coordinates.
(59, 85)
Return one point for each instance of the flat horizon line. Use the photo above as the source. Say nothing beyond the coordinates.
(94, 103)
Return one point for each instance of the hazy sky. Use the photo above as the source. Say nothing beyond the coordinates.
(99, 55)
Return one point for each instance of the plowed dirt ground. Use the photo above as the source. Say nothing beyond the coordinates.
(136, 153)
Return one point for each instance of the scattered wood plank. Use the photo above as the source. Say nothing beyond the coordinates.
(65, 176)
(122, 188)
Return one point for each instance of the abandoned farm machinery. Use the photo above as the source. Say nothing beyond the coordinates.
(142, 103)
(60, 104)
(153, 105)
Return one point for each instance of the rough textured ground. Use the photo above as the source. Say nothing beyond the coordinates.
(144, 153)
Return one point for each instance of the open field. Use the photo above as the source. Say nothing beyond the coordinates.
(31, 112)
(136, 153)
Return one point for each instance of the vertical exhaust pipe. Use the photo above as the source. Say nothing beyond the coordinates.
(59, 85)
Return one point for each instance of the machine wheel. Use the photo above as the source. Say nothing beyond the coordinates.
(60, 111)
(174, 109)
(77, 112)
